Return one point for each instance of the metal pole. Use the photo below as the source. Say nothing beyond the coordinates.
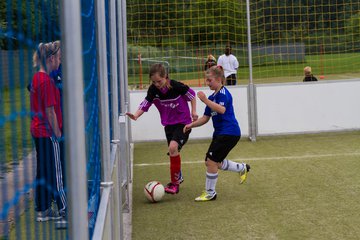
(117, 212)
(124, 96)
(103, 89)
(124, 171)
(75, 156)
(103, 109)
(121, 175)
(127, 133)
(121, 57)
(251, 87)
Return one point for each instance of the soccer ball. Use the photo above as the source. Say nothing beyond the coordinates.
(154, 191)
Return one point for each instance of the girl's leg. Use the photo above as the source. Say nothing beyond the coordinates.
(42, 193)
(176, 139)
(57, 180)
(241, 168)
(210, 183)
(175, 169)
(211, 176)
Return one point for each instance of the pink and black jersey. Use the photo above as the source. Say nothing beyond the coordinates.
(43, 94)
(172, 103)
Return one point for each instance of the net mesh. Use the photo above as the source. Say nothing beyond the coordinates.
(286, 36)
(23, 25)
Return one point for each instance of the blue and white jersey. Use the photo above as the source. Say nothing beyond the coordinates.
(224, 124)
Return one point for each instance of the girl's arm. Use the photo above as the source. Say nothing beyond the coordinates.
(214, 106)
(201, 121)
(193, 109)
(136, 115)
(51, 115)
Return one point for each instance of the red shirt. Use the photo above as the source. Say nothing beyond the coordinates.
(43, 94)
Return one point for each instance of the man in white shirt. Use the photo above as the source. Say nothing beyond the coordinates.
(230, 65)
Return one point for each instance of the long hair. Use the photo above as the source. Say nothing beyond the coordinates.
(161, 70)
(217, 72)
(158, 68)
(43, 52)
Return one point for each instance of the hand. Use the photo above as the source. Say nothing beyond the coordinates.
(194, 116)
(201, 95)
(131, 116)
(58, 134)
(187, 127)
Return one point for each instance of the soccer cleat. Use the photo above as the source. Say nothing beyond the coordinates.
(243, 173)
(62, 223)
(47, 215)
(205, 196)
(172, 188)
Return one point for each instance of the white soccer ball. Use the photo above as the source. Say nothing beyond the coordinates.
(154, 191)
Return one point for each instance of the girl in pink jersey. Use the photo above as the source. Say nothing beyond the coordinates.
(171, 99)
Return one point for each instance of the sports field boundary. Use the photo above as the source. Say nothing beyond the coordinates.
(259, 159)
(127, 216)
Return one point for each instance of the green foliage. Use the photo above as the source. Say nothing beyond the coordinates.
(145, 51)
(22, 22)
(201, 23)
(198, 23)
(353, 30)
(212, 22)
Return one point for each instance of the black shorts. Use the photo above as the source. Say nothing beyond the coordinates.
(220, 147)
(175, 133)
(231, 79)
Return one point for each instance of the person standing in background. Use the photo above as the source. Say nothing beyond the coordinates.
(210, 61)
(309, 77)
(230, 65)
(46, 125)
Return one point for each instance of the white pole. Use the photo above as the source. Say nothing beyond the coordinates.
(101, 47)
(117, 223)
(75, 156)
(251, 87)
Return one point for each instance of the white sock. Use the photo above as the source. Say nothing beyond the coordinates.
(211, 179)
(228, 165)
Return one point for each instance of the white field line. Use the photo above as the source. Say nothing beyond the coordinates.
(260, 159)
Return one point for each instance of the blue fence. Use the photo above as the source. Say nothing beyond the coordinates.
(23, 25)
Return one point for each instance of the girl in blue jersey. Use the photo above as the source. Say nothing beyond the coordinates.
(219, 106)
(171, 99)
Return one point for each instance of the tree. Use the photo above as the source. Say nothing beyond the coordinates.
(25, 23)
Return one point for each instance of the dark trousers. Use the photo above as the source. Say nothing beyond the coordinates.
(49, 175)
(231, 79)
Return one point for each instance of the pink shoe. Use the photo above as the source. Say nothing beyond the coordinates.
(172, 188)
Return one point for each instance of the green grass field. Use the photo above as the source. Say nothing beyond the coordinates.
(332, 66)
(16, 140)
(299, 187)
